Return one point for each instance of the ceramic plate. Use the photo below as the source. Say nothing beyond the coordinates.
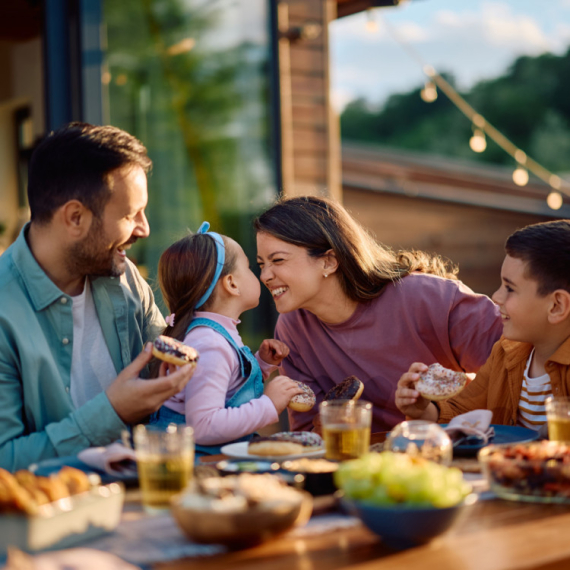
(239, 450)
(503, 434)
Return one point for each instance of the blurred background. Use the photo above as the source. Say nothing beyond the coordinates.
(400, 110)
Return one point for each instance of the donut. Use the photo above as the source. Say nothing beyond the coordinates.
(349, 389)
(439, 383)
(173, 351)
(302, 402)
(285, 443)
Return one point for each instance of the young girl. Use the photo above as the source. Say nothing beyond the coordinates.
(206, 283)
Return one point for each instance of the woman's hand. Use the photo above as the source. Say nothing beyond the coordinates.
(273, 351)
(408, 399)
(280, 391)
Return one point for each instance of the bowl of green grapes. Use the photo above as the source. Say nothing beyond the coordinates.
(406, 500)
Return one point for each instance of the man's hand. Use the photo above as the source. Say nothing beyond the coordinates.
(134, 398)
(408, 399)
(273, 351)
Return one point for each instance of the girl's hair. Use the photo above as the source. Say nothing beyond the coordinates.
(185, 271)
(365, 266)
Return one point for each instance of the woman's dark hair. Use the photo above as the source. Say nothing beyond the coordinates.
(365, 266)
(545, 248)
(74, 163)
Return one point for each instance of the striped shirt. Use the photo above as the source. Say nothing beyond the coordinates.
(532, 412)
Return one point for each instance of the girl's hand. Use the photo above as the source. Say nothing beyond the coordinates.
(273, 351)
(280, 391)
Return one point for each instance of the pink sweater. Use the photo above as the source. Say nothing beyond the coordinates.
(422, 318)
(216, 379)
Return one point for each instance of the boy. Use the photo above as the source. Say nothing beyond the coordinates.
(532, 359)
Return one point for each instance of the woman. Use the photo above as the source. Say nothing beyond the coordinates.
(350, 306)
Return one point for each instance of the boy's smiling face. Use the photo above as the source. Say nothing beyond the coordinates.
(524, 311)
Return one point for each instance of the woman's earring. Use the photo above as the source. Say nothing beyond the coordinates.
(325, 275)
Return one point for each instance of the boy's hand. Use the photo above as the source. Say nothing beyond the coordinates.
(408, 399)
(134, 398)
(273, 351)
(280, 391)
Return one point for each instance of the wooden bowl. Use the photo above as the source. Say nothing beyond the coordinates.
(240, 529)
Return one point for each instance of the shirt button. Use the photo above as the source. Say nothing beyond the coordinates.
(65, 341)
(67, 389)
(63, 300)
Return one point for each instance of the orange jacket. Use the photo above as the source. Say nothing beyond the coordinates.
(497, 386)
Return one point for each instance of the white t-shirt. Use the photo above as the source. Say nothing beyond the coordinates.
(532, 412)
(92, 369)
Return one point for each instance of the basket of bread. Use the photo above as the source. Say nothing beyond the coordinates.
(58, 511)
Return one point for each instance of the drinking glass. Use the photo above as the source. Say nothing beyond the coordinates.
(421, 438)
(558, 416)
(346, 428)
(165, 461)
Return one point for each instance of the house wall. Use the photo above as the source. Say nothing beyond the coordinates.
(470, 236)
(310, 128)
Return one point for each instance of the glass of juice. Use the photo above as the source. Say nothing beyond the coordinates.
(165, 462)
(558, 416)
(421, 438)
(346, 428)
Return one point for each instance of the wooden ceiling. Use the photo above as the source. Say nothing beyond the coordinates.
(20, 20)
(348, 7)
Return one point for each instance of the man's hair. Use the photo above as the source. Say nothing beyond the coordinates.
(74, 163)
(545, 248)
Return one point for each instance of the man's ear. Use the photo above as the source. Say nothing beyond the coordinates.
(330, 262)
(559, 309)
(229, 285)
(74, 218)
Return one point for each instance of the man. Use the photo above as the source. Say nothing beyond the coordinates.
(74, 311)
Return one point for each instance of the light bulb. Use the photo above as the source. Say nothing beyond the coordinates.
(429, 92)
(371, 26)
(477, 142)
(554, 200)
(520, 176)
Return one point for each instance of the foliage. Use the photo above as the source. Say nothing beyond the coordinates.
(529, 104)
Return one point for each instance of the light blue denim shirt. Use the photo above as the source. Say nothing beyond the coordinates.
(37, 417)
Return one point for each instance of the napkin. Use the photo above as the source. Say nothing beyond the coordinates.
(475, 423)
(115, 459)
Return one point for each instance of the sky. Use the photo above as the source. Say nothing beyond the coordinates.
(474, 40)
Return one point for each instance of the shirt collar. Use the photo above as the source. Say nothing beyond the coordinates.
(42, 290)
(562, 354)
(515, 352)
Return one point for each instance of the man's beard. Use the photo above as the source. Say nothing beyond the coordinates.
(91, 255)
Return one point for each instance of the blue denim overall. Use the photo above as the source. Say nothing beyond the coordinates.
(252, 387)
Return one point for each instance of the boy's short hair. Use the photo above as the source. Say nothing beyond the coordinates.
(74, 163)
(545, 248)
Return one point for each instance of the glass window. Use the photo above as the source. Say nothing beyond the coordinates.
(190, 78)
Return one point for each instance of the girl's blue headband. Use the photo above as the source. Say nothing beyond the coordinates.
(221, 251)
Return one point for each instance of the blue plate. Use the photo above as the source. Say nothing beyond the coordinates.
(503, 434)
(48, 466)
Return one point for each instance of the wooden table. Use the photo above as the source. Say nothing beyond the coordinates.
(494, 535)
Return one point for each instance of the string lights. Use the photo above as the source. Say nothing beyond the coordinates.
(482, 129)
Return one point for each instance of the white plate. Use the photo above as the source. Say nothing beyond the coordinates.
(239, 450)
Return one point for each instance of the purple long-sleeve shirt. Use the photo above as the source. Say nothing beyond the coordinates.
(422, 318)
